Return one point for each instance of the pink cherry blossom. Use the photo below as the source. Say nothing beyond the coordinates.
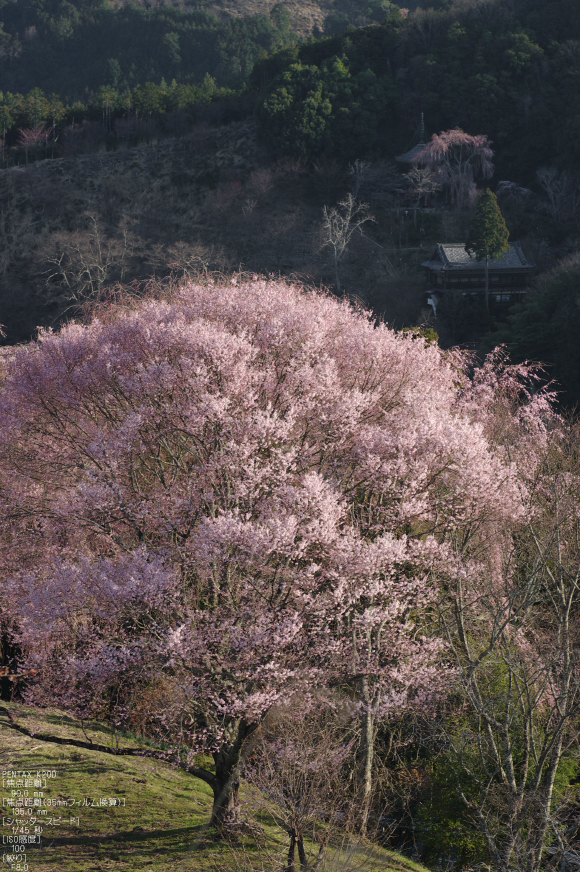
(238, 495)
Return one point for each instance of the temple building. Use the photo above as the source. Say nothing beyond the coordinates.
(451, 268)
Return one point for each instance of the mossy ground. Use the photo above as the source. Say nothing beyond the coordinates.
(162, 825)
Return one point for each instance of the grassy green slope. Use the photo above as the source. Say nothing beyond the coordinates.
(162, 825)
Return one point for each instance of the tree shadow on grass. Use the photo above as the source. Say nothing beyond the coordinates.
(168, 845)
(62, 720)
(66, 721)
(70, 767)
(135, 835)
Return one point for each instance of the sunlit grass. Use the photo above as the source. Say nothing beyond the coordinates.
(163, 824)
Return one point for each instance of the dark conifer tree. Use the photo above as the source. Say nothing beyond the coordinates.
(488, 234)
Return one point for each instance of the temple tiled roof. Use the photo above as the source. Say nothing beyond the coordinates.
(453, 256)
(410, 156)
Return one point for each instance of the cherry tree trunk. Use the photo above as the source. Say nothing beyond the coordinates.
(296, 842)
(226, 789)
(302, 852)
(229, 764)
(366, 757)
(291, 867)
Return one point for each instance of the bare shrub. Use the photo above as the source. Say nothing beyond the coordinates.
(220, 201)
(347, 854)
(80, 264)
(261, 180)
(192, 260)
(82, 138)
(298, 770)
(248, 206)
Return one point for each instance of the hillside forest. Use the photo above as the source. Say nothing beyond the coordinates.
(221, 152)
(268, 517)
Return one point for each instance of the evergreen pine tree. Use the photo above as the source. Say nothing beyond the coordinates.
(488, 234)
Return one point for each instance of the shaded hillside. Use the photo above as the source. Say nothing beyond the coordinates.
(504, 71)
(307, 17)
(74, 49)
(508, 72)
(207, 201)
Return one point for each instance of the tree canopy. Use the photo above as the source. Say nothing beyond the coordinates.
(236, 497)
(244, 492)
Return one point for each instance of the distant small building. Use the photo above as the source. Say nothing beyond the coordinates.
(451, 268)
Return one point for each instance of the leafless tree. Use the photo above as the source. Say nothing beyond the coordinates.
(382, 183)
(426, 26)
(299, 768)
(514, 632)
(422, 183)
(358, 171)
(563, 192)
(556, 184)
(81, 264)
(338, 226)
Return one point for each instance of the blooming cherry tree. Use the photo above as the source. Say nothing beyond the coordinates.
(457, 158)
(235, 496)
